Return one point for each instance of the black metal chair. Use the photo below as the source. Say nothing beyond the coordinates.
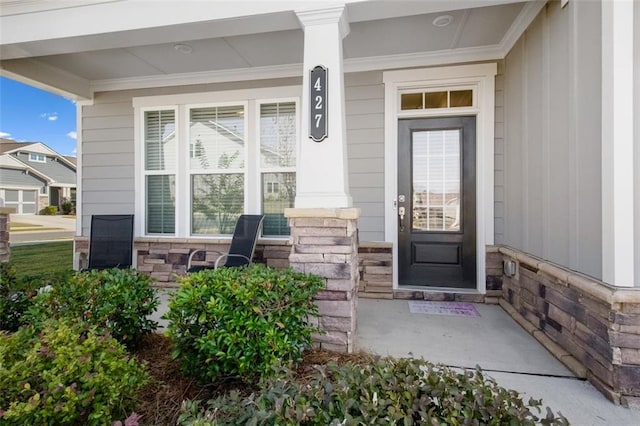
(111, 241)
(243, 245)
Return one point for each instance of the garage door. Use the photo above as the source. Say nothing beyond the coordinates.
(24, 201)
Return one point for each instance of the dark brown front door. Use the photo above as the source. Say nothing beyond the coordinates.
(437, 202)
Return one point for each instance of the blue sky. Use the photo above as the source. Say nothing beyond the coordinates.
(28, 114)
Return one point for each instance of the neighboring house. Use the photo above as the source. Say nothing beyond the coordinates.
(33, 176)
(467, 133)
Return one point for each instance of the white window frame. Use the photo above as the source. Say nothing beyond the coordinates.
(480, 77)
(36, 157)
(258, 165)
(182, 103)
(190, 172)
(166, 172)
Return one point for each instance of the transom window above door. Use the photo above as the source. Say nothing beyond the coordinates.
(203, 165)
(436, 99)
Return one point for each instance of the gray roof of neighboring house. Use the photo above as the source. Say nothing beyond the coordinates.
(56, 170)
(15, 177)
(59, 168)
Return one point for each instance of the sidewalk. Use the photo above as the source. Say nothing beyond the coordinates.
(40, 228)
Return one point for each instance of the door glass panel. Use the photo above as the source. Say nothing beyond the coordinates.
(436, 180)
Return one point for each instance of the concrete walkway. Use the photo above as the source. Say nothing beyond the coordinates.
(42, 228)
(498, 344)
(494, 341)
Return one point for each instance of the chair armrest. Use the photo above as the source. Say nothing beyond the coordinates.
(197, 251)
(225, 255)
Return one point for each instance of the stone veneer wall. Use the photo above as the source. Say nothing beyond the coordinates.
(163, 259)
(324, 242)
(593, 328)
(4, 232)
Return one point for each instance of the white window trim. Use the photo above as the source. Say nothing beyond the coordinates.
(185, 186)
(481, 77)
(181, 103)
(258, 166)
(32, 158)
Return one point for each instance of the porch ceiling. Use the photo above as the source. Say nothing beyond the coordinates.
(84, 62)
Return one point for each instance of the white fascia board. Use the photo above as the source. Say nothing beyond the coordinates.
(46, 77)
(127, 15)
(520, 25)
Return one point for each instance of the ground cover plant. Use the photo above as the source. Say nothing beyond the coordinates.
(65, 373)
(383, 391)
(241, 322)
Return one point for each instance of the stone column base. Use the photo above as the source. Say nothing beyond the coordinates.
(324, 242)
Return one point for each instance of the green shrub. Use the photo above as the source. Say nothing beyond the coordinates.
(67, 207)
(117, 300)
(17, 293)
(383, 392)
(241, 321)
(49, 211)
(65, 374)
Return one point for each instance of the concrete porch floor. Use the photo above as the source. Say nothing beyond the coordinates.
(498, 344)
(494, 341)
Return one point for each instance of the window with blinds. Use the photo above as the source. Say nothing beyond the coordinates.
(160, 153)
(217, 140)
(200, 175)
(278, 135)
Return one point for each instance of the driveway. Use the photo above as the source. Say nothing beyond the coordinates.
(41, 228)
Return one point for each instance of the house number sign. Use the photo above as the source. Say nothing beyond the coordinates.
(318, 99)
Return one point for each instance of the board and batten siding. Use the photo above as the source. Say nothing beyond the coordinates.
(364, 98)
(548, 147)
(108, 147)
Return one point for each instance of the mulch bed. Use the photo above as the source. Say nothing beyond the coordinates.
(161, 399)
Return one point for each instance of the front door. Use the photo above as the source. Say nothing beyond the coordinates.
(437, 202)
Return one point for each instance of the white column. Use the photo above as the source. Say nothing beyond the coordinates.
(322, 176)
(617, 143)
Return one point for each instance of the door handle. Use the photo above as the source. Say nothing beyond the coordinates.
(401, 213)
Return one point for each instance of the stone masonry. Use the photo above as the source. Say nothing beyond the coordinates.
(4, 232)
(163, 259)
(324, 242)
(593, 328)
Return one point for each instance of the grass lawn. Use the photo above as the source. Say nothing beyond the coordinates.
(42, 258)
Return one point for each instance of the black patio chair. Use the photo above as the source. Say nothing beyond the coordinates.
(111, 241)
(243, 244)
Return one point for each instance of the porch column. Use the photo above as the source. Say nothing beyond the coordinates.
(4, 231)
(619, 197)
(324, 242)
(322, 178)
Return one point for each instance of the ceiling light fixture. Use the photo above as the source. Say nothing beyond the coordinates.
(442, 20)
(183, 48)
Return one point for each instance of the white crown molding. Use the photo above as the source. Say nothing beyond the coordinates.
(447, 57)
(205, 77)
(520, 24)
(332, 15)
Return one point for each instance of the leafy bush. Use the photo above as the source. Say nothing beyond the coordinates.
(384, 392)
(49, 211)
(67, 207)
(241, 321)
(16, 294)
(117, 300)
(65, 374)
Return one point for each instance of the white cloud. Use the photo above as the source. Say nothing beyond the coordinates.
(51, 116)
(5, 135)
(72, 134)
(74, 152)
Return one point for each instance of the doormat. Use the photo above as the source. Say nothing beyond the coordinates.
(459, 309)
